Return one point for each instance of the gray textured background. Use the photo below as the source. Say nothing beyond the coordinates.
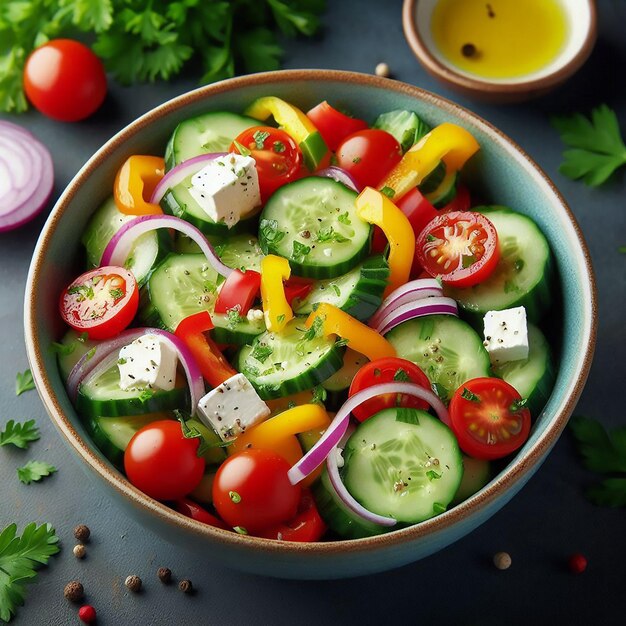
(548, 520)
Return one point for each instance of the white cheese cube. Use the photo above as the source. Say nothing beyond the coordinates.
(147, 362)
(232, 407)
(506, 335)
(227, 189)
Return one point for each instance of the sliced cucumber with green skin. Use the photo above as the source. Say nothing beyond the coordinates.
(445, 192)
(241, 252)
(185, 245)
(338, 384)
(338, 517)
(476, 474)
(448, 350)
(279, 364)
(403, 463)
(203, 493)
(146, 253)
(185, 284)
(76, 345)
(406, 126)
(313, 223)
(523, 276)
(203, 134)
(100, 395)
(359, 292)
(113, 434)
(179, 202)
(432, 182)
(532, 377)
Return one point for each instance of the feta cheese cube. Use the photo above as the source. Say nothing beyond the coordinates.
(227, 189)
(506, 335)
(232, 407)
(147, 362)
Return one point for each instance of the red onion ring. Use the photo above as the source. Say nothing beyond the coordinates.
(341, 176)
(410, 292)
(88, 363)
(121, 243)
(419, 308)
(177, 174)
(26, 165)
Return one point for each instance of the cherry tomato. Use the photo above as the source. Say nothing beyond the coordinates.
(333, 125)
(307, 525)
(486, 419)
(387, 370)
(195, 511)
(65, 80)
(278, 158)
(461, 202)
(460, 247)
(101, 302)
(252, 491)
(162, 462)
(368, 155)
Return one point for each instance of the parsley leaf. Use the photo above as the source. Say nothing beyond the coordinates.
(259, 137)
(516, 405)
(261, 352)
(596, 145)
(401, 376)
(19, 434)
(24, 382)
(319, 395)
(299, 251)
(388, 191)
(268, 229)
(20, 557)
(330, 234)
(34, 471)
(468, 395)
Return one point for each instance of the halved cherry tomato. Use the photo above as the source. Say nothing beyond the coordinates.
(162, 462)
(278, 158)
(238, 292)
(460, 247)
(369, 155)
(252, 492)
(387, 370)
(461, 202)
(487, 419)
(101, 302)
(333, 125)
(307, 525)
(195, 511)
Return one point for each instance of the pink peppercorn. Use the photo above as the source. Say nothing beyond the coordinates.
(87, 614)
(577, 563)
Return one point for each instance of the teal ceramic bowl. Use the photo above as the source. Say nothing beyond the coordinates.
(501, 173)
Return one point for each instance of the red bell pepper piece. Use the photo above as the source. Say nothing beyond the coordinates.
(195, 511)
(297, 287)
(238, 292)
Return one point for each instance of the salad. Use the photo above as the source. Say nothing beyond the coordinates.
(299, 326)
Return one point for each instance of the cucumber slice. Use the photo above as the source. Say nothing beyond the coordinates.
(476, 474)
(533, 377)
(359, 292)
(100, 395)
(313, 223)
(184, 245)
(432, 182)
(342, 378)
(448, 350)
(338, 517)
(278, 364)
(203, 134)
(76, 346)
(241, 252)
(148, 250)
(185, 284)
(445, 192)
(203, 493)
(179, 202)
(403, 463)
(406, 126)
(522, 277)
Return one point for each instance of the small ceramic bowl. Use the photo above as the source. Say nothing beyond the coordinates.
(500, 172)
(582, 33)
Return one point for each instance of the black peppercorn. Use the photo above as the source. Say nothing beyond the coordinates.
(82, 532)
(74, 591)
(185, 586)
(165, 575)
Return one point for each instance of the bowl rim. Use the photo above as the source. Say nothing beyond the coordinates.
(484, 86)
(518, 472)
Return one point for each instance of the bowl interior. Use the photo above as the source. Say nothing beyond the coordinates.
(500, 173)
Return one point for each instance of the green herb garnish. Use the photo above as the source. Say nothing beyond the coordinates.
(146, 395)
(19, 434)
(279, 147)
(432, 475)
(327, 234)
(261, 352)
(24, 382)
(259, 137)
(234, 317)
(388, 191)
(234, 496)
(319, 395)
(401, 376)
(344, 218)
(243, 151)
(468, 395)
(467, 260)
(64, 349)
(269, 231)
(299, 251)
(116, 293)
(34, 471)
(516, 405)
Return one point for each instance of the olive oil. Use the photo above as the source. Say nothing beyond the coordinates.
(499, 38)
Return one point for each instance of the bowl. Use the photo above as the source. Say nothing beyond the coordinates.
(581, 35)
(501, 172)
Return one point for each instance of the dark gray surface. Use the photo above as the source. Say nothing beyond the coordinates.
(547, 521)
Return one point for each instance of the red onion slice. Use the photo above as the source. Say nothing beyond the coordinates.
(118, 249)
(411, 291)
(177, 174)
(419, 308)
(106, 352)
(27, 176)
(341, 176)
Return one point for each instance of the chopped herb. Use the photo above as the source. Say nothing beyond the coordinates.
(233, 495)
(243, 151)
(280, 318)
(268, 229)
(516, 405)
(24, 382)
(432, 475)
(299, 251)
(468, 395)
(430, 237)
(117, 293)
(401, 376)
(259, 137)
(388, 191)
(467, 260)
(253, 371)
(240, 530)
(261, 352)
(316, 329)
(63, 349)
(291, 404)
(122, 361)
(441, 391)
(82, 337)
(319, 395)
(336, 290)
(145, 395)
(438, 508)
(279, 147)
(357, 159)
(234, 317)
(19, 434)
(89, 355)
(408, 415)
(84, 290)
(344, 218)
(341, 342)
(328, 234)
(34, 471)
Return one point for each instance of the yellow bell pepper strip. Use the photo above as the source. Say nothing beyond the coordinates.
(376, 208)
(135, 181)
(360, 337)
(278, 433)
(274, 270)
(294, 122)
(447, 142)
(278, 405)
